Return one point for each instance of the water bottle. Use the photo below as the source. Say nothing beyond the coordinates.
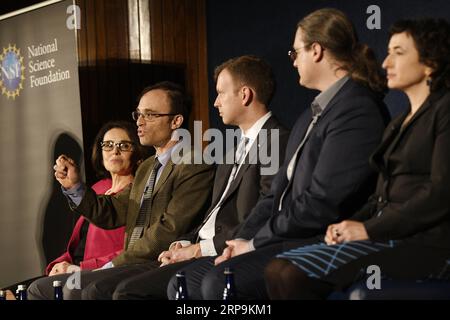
(2, 295)
(182, 293)
(58, 291)
(21, 292)
(229, 292)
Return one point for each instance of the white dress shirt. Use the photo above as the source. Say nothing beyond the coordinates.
(208, 230)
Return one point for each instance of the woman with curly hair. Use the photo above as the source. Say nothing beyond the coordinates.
(404, 229)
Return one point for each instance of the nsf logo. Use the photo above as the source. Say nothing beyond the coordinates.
(12, 72)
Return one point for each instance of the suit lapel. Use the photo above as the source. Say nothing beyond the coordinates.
(244, 166)
(426, 105)
(223, 172)
(138, 191)
(298, 132)
(390, 134)
(140, 184)
(163, 177)
(251, 157)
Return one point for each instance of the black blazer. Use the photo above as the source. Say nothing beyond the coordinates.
(412, 198)
(247, 188)
(332, 176)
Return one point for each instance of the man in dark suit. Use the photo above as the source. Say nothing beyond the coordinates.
(166, 199)
(245, 87)
(326, 175)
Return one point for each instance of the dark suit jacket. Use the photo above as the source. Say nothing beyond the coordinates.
(332, 176)
(179, 201)
(411, 201)
(246, 189)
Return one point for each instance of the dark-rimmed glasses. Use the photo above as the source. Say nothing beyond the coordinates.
(124, 146)
(149, 116)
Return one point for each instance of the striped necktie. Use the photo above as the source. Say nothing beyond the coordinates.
(239, 158)
(240, 154)
(146, 206)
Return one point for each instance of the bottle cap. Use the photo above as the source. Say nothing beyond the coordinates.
(21, 287)
(228, 271)
(57, 283)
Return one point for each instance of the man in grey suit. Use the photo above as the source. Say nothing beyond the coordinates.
(166, 200)
(245, 86)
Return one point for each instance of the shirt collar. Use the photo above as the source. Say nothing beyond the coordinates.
(165, 157)
(253, 131)
(323, 99)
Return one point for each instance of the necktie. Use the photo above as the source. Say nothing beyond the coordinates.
(240, 154)
(144, 211)
(291, 166)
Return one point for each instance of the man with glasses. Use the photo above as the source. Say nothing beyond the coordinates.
(245, 86)
(165, 201)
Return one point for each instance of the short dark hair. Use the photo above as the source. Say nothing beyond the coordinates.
(251, 71)
(180, 101)
(139, 152)
(432, 40)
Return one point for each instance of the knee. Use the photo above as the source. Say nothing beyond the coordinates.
(278, 278)
(213, 284)
(37, 290)
(91, 292)
(172, 288)
(274, 273)
(71, 293)
(122, 292)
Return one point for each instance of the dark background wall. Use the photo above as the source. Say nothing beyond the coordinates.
(233, 28)
(267, 28)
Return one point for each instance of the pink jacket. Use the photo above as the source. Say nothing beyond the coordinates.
(101, 245)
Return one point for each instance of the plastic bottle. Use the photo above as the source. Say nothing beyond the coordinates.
(58, 290)
(22, 292)
(229, 292)
(182, 293)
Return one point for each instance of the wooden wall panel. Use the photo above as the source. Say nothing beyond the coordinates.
(123, 44)
(168, 30)
(178, 35)
(156, 30)
(198, 60)
(198, 66)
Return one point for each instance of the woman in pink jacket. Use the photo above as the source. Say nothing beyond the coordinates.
(115, 156)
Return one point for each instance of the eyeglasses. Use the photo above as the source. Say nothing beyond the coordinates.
(294, 53)
(149, 116)
(124, 146)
